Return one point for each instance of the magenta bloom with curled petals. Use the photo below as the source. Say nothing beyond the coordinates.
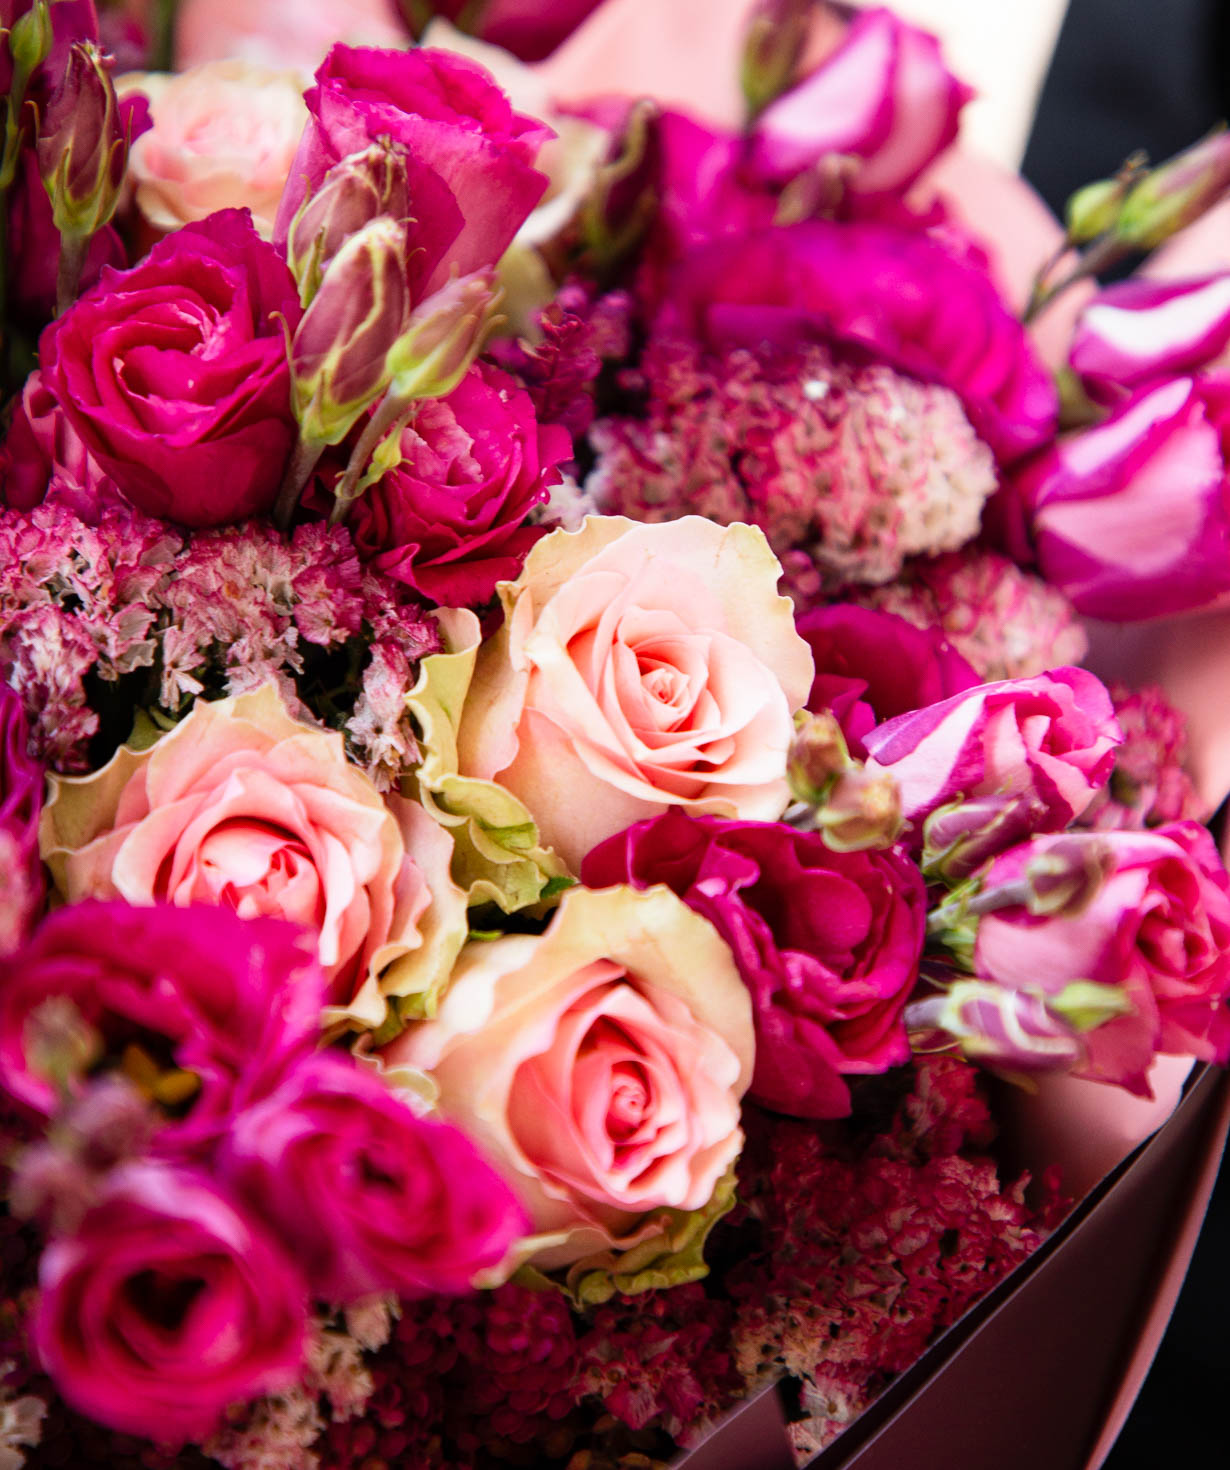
(873, 665)
(234, 1000)
(450, 519)
(894, 293)
(166, 1306)
(827, 943)
(470, 157)
(1139, 330)
(21, 801)
(371, 1197)
(174, 373)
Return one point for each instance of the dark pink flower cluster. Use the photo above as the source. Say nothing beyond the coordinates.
(21, 801)
(1149, 785)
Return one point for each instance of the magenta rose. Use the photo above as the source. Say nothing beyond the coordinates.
(174, 373)
(873, 665)
(884, 97)
(1157, 931)
(44, 457)
(527, 28)
(827, 943)
(167, 1306)
(21, 801)
(1044, 744)
(893, 293)
(231, 1000)
(450, 519)
(1131, 518)
(470, 157)
(369, 1197)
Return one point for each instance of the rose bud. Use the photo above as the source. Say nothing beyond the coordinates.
(818, 755)
(340, 355)
(1064, 878)
(1051, 738)
(1175, 193)
(960, 837)
(355, 191)
(883, 97)
(862, 810)
(1129, 518)
(81, 146)
(1157, 928)
(444, 335)
(29, 41)
(1094, 209)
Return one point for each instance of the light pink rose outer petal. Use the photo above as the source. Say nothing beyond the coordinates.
(293, 33)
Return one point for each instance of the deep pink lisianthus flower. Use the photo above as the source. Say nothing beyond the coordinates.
(1048, 742)
(370, 1197)
(894, 293)
(827, 943)
(234, 999)
(883, 97)
(449, 520)
(1158, 928)
(871, 666)
(470, 157)
(21, 800)
(529, 29)
(174, 373)
(1131, 518)
(166, 1306)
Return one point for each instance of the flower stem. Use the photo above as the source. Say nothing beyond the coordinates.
(73, 251)
(391, 413)
(298, 471)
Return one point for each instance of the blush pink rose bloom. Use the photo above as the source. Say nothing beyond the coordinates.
(1158, 927)
(599, 1066)
(883, 97)
(369, 1196)
(243, 806)
(167, 1306)
(1048, 742)
(291, 33)
(639, 667)
(223, 137)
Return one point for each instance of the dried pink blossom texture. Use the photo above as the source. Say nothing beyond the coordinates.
(1149, 784)
(848, 468)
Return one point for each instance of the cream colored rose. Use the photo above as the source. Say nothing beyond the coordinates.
(600, 1065)
(639, 667)
(224, 136)
(242, 805)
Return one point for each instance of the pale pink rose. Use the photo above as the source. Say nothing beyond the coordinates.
(598, 1065)
(224, 136)
(294, 33)
(244, 806)
(639, 667)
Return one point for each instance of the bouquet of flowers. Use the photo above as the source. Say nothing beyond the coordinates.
(547, 792)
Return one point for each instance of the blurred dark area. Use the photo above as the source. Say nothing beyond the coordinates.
(1126, 75)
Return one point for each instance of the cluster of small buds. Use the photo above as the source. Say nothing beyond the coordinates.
(852, 806)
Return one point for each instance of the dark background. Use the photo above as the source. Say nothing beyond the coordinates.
(1151, 74)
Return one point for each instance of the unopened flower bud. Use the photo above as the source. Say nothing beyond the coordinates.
(1094, 210)
(960, 837)
(30, 38)
(355, 191)
(340, 356)
(1064, 877)
(772, 47)
(1175, 193)
(444, 335)
(82, 148)
(818, 754)
(995, 1025)
(862, 810)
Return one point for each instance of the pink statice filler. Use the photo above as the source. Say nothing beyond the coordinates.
(1150, 784)
(827, 943)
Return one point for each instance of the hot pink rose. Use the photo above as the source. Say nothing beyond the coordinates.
(884, 97)
(1046, 744)
(294, 33)
(470, 156)
(1131, 518)
(223, 137)
(527, 28)
(21, 799)
(174, 373)
(243, 806)
(639, 667)
(43, 457)
(1157, 929)
(600, 1065)
(369, 1197)
(167, 1306)
(449, 520)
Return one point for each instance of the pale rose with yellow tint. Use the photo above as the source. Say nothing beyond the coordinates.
(599, 1066)
(242, 805)
(639, 667)
(224, 136)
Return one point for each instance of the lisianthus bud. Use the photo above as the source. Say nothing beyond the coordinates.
(444, 335)
(30, 38)
(1175, 193)
(771, 50)
(818, 753)
(355, 191)
(1094, 209)
(1064, 877)
(340, 356)
(862, 810)
(997, 1026)
(959, 837)
(81, 145)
